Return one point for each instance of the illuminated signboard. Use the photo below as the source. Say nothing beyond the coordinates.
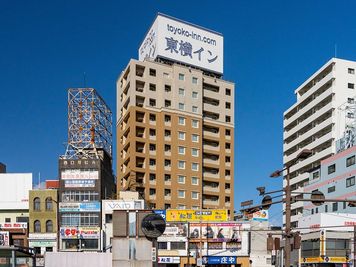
(184, 42)
(173, 215)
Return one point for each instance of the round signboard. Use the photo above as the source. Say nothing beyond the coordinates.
(153, 225)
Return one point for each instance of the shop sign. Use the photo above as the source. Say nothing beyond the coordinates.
(110, 205)
(79, 207)
(13, 225)
(42, 243)
(219, 260)
(80, 232)
(261, 215)
(79, 174)
(178, 215)
(219, 232)
(168, 260)
(44, 236)
(79, 183)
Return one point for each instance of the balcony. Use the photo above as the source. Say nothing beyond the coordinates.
(211, 131)
(211, 189)
(211, 202)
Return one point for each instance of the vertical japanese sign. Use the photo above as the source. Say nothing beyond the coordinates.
(183, 42)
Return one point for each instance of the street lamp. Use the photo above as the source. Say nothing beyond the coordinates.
(302, 155)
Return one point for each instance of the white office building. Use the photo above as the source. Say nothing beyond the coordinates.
(316, 121)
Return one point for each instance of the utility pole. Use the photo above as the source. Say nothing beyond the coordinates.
(287, 247)
(354, 258)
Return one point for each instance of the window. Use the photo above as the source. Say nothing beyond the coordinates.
(195, 181)
(195, 138)
(195, 152)
(195, 123)
(195, 166)
(152, 177)
(167, 192)
(152, 132)
(181, 91)
(181, 179)
(181, 135)
(152, 147)
(227, 146)
(194, 109)
(167, 148)
(167, 118)
(167, 163)
(350, 181)
(181, 193)
(331, 189)
(181, 106)
(195, 80)
(152, 162)
(167, 177)
(181, 150)
(351, 85)
(331, 169)
(152, 87)
(195, 195)
(49, 203)
(167, 133)
(335, 206)
(181, 164)
(227, 159)
(167, 206)
(227, 172)
(228, 91)
(167, 103)
(153, 117)
(167, 88)
(351, 100)
(152, 102)
(8, 220)
(351, 71)
(49, 226)
(350, 161)
(181, 121)
(162, 245)
(326, 208)
(194, 95)
(165, 75)
(227, 132)
(344, 205)
(181, 76)
(228, 105)
(37, 204)
(37, 226)
(227, 119)
(316, 175)
(153, 72)
(152, 191)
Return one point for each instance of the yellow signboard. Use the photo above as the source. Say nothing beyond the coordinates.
(324, 260)
(196, 215)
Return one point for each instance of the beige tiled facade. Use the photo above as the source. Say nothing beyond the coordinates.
(175, 136)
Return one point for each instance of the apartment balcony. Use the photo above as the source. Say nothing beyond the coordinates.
(211, 134)
(210, 107)
(167, 197)
(298, 179)
(305, 135)
(167, 182)
(152, 197)
(211, 175)
(228, 191)
(312, 118)
(211, 189)
(153, 152)
(312, 145)
(152, 182)
(211, 147)
(227, 204)
(211, 161)
(167, 138)
(212, 115)
(317, 86)
(152, 167)
(312, 104)
(168, 153)
(167, 168)
(211, 202)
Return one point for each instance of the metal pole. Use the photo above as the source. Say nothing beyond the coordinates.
(287, 247)
(13, 254)
(354, 258)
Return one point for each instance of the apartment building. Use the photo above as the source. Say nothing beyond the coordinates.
(175, 128)
(316, 121)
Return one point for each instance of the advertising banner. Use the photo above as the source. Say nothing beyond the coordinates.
(79, 207)
(178, 215)
(183, 42)
(80, 232)
(79, 183)
(176, 230)
(4, 239)
(13, 225)
(219, 232)
(79, 174)
(261, 215)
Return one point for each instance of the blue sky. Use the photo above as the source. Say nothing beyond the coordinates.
(270, 48)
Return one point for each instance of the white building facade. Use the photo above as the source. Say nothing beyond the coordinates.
(315, 121)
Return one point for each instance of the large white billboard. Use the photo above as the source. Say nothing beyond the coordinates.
(14, 190)
(180, 41)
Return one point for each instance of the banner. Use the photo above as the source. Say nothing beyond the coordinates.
(216, 232)
(178, 215)
(79, 207)
(79, 174)
(176, 230)
(80, 232)
(79, 183)
(13, 225)
(261, 215)
(219, 260)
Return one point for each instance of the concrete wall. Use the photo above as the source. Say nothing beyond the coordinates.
(131, 252)
(73, 259)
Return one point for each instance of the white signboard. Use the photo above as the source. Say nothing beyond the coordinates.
(183, 42)
(79, 174)
(110, 205)
(79, 183)
(169, 260)
(13, 225)
(4, 239)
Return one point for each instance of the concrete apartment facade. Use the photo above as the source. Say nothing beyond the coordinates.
(175, 131)
(315, 122)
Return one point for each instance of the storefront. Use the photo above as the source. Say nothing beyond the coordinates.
(16, 233)
(43, 242)
(80, 238)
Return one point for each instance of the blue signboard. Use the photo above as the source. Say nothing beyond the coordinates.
(219, 260)
(161, 212)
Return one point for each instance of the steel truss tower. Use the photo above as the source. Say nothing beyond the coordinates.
(89, 125)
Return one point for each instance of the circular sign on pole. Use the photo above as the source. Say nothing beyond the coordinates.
(153, 225)
(317, 198)
(266, 202)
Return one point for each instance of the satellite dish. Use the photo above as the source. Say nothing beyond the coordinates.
(317, 195)
(153, 225)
